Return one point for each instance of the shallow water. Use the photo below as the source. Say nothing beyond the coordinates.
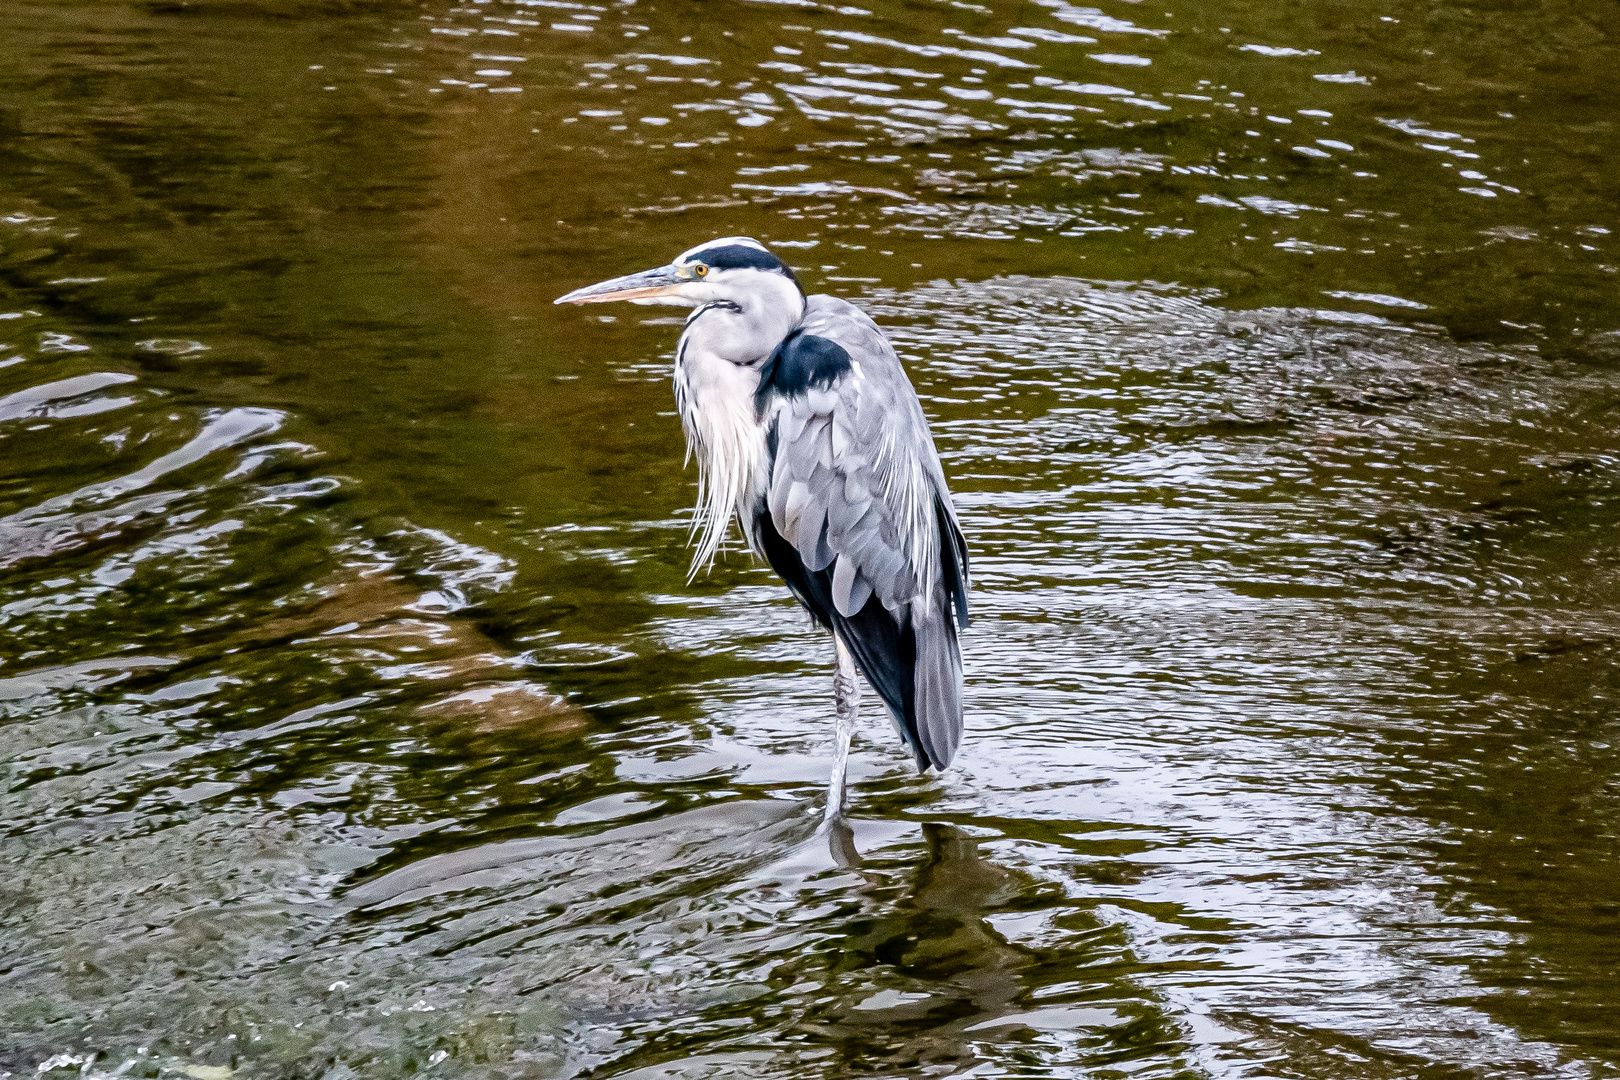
(358, 717)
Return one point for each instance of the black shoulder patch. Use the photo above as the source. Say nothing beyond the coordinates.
(744, 257)
(802, 361)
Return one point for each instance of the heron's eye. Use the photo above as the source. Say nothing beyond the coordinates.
(700, 269)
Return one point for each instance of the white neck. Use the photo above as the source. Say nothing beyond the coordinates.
(717, 372)
(743, 321)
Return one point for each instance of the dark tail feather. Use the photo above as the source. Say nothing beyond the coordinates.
(937, 693)
(953, 557)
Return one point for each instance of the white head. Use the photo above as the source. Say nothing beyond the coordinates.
(747, 301)
(735, 270)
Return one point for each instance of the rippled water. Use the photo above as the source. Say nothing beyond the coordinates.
(358, 720)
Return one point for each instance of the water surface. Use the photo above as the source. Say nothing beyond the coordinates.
(359, 720)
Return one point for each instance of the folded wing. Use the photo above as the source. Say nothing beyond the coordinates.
(857, 518)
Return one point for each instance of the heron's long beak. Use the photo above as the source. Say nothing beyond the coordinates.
(649, 285)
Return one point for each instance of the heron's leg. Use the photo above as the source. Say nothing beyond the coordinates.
(847, 699)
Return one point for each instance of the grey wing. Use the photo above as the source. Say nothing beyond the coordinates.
(861, 523)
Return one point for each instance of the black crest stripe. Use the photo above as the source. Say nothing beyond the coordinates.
(739, 257)
(744, 257)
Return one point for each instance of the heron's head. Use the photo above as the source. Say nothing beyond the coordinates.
(734, 269)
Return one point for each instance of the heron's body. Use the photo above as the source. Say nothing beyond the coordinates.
(809, 434)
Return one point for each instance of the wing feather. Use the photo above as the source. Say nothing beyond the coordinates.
(858, 520)
(850, 589)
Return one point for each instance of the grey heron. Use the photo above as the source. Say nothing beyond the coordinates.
(808, 433)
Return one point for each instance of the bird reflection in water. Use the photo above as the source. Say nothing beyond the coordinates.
(943, 964)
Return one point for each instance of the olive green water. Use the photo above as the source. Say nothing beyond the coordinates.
(359, 720)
